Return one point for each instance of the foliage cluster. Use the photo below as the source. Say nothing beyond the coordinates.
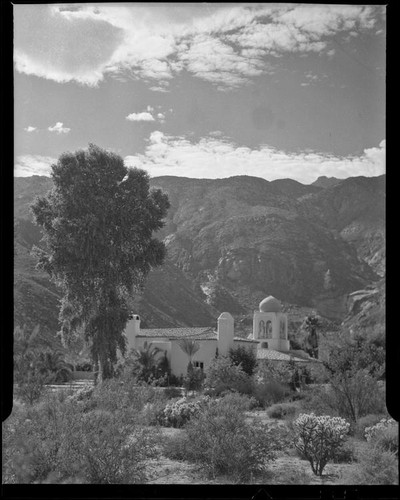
(374, 466)
(178, 413)
(317, 438)
(245, 358)
(220, 439)
(36, 364)
(223, 375)
(282, 410)
(384, 435)
(65, 440)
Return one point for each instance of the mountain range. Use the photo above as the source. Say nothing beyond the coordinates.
(231, 242)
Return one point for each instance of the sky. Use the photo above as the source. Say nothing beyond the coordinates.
(203, 90)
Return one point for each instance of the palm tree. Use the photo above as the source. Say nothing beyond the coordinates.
(189, 347)
(310, 325)
(53, 366)
(146, 360)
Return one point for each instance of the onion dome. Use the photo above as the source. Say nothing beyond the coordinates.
(270, 304)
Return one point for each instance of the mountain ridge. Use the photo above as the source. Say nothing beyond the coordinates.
(233, 241)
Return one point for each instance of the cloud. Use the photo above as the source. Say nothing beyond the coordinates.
(28, 165)
(140, 117)
(59, 129)
(223, 43)
(30, 129)
(214, 157)
(146, 116)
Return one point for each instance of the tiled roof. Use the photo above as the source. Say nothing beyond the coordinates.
(278, 356)
(246, 340)
(204, 333)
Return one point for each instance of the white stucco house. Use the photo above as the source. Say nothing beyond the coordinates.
(269, 338)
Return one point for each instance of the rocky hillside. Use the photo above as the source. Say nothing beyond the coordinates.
(230, 243)
(355, 209)
(246, 237)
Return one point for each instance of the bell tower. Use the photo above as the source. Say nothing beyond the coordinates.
(270, 325)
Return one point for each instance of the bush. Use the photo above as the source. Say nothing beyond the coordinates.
(220, 439)
(366, 421)
(375, 467)
(384, 435)
(245, 358)
(355, 395)
(318, 438)
(223, 375)
(118, 395)
(109, 451)
(281, 410)
(194, 379)
(172, 392)
(241, 402)
(267, 393)
(178, 413)
(175, 447)
(59, 442)
(345, 454)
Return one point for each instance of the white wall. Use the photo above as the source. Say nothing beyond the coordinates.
(180, 360)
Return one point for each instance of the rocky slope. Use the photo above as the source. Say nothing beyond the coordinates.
(230, 243)
(247, 237)
(355, 208)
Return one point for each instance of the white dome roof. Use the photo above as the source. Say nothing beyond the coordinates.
(225, 315)
(270, 304)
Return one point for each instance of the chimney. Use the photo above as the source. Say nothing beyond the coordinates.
(132, 329)
(225, 333)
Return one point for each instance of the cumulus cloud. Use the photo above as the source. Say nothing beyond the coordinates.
(30, 129)
(222, 44)
(140, 117)
(27, 165)
(214, 157)
(146, 116)
(59, 128)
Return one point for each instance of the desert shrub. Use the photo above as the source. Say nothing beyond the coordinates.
(245, 358)
(153, 411)
(34, 440)
(194, 379)
(271, 371)
(31, 388)
(317, 438)
(220, 439)
(178, 413)
(281, 410)
(241, 402)
(223, 375)
(355, 369)
(172, 392)
(374, 467)
(355, 395)
(58, 442)
(366, 421)
(318, 402)
(118, 395)
(175, 447)
(346, 453)
(384, 435)
(108, 450)
(267, 393)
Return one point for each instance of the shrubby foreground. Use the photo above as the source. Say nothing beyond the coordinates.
(113, 432)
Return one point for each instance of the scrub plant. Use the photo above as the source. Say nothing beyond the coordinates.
(318, 438)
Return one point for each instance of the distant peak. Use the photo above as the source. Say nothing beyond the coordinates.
(324, 181)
